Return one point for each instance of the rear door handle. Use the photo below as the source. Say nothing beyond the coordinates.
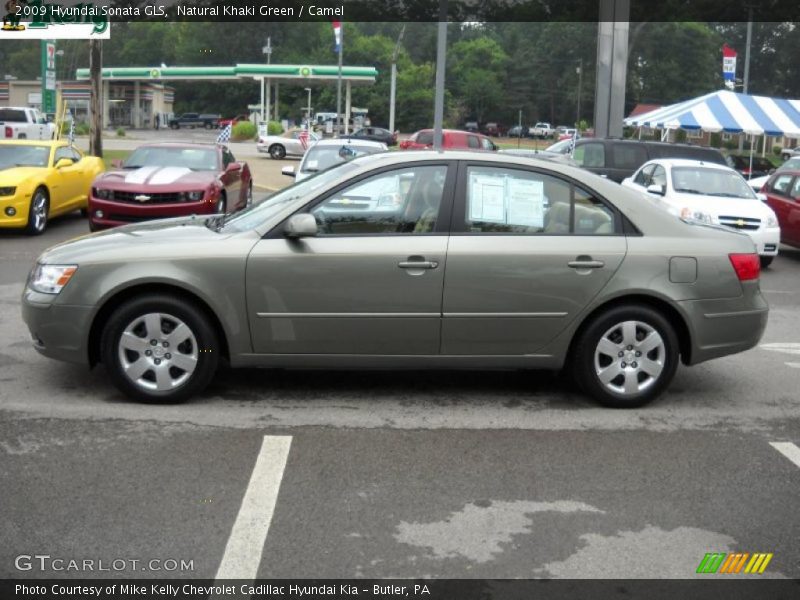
(418, 264)
(586, 264)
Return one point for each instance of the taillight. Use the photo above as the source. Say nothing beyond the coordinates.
(747, 266)
(9, 132)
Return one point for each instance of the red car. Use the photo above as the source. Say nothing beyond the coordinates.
(232, 121)
(783, 196)
(170, 180)
(452, 139)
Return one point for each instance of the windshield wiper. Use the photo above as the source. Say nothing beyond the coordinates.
(688, 191)
(723, 195)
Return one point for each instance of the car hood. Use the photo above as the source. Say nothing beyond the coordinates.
(16, 175)
(154, 176)
(166, 238)
(738, 207)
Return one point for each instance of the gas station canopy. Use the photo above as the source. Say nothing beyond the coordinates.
(304, 74)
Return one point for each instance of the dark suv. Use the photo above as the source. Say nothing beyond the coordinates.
(618, 159)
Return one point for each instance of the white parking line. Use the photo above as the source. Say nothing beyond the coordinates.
(789, 450)
(246, 542)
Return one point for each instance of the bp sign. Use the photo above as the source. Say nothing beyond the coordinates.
(48, 76)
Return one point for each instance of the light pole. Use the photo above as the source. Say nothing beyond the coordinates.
(308, 110)
(267, 50)
(393, 84)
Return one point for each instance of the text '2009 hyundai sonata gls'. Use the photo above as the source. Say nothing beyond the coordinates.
(410, 260)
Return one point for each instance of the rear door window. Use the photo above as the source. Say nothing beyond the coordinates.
(629, 156)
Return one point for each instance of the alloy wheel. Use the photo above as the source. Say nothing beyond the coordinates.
(158, 352)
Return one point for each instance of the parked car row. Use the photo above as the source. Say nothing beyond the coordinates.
(43, 179)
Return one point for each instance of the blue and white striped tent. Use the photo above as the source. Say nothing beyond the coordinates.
(729, 112)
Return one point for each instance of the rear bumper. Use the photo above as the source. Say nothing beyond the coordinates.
(726, 326)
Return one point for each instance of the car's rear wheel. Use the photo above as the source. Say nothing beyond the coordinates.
(766, 261)
(159, 348)
(277, 151)
(38, 212)
(626, 356)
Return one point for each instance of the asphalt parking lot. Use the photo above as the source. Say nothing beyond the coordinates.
(411, 474)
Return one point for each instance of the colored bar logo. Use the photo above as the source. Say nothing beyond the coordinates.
(733, 563)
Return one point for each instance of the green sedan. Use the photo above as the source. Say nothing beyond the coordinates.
(411, 260)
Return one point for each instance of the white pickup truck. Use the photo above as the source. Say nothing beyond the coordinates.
(541, 130)
(20, 123)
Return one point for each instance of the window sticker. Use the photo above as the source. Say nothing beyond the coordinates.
(487, 198)
(507, 200)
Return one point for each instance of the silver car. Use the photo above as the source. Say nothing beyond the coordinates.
(466, 260)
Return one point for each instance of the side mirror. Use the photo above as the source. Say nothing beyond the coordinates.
(64, 162)
(116, 163)
(301, 225)
(233, 167)
(762, 197)
(288, 171)
(654, 188)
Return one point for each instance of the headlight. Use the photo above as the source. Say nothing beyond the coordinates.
(191, 196)
(8, 191)
(103, 193)
(695, 215)
(772, 221)
(51, 279)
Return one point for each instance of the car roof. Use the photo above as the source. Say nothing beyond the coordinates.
(348, 140)
(687, 162)
(201, 145)
(35, 142)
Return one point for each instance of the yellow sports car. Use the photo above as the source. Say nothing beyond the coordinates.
(43, 179)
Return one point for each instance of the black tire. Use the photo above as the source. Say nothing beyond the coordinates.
(84, 212)
(38, 212)
(174, 126)
(609, 325)
(766, 261)
(277, 152)
(169, 307)
(222, 205)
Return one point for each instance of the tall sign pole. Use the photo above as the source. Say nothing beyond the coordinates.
(393, 83)
(49, 76)
(96, 98)
(441, 55)
(338, 32)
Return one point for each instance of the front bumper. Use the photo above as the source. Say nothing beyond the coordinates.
(123, 213)
(58, 331)
(727, 325)
(21, 205)
(766, 240)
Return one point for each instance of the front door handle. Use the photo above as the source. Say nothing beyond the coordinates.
(417, 262)
(586, 264)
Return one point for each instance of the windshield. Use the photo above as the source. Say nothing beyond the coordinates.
(711, 182)
(259, 213)
(321, 158)
(196, 159)
(792, 163)
(17, 155)
(561, 147)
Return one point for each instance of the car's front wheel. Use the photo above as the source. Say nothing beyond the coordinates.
(159, 348)
(766, 261)
(38, 212)
(277, 151)
(626, 356)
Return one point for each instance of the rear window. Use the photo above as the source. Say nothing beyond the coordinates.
(17, 116)
(425, 138)
(629, 156)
